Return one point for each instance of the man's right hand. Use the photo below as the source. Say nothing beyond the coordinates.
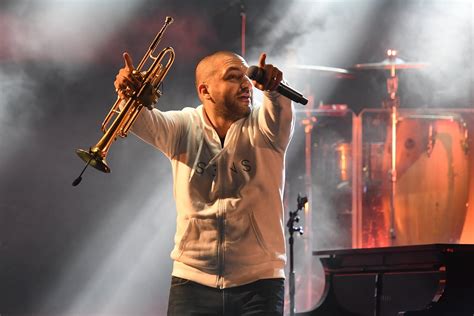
(126, 82)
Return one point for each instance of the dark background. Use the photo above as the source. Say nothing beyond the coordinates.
(102, 248)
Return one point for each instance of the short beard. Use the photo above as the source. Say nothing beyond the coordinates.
(235, 112)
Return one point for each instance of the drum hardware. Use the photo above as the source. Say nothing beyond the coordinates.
(340, 73)
(451, 118)
(392, 63)
(431, 140)
(465, 140)
(334, 109)
(308, 123)
(432, 133)
(343, 152)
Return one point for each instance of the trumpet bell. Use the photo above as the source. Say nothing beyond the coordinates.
(94, 159)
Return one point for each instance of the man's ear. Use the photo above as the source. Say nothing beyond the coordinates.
(203, 92)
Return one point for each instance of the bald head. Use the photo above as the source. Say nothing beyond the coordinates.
(209, 65)
(223, 88)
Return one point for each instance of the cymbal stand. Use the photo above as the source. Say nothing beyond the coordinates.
(393, 102)
(243, 23)
(294, 218)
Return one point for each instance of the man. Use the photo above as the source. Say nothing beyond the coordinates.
(228, 163)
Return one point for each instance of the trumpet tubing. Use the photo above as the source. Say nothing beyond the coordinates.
(118, 122)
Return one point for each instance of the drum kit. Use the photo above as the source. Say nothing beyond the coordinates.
(425, 162)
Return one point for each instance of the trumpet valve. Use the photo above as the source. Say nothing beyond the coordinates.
(149, 96)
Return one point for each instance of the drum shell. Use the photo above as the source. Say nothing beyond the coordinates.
(432, 181)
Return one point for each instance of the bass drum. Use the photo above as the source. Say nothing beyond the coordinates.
(431, 191)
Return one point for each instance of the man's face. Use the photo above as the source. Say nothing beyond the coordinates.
(230, 88)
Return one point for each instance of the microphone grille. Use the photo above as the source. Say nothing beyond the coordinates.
(255, 73)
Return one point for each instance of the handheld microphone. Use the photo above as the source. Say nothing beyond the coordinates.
(257, 74)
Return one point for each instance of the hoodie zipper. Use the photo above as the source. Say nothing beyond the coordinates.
(221, 222)
(220, 245)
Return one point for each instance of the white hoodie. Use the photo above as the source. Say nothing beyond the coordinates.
(230, 228)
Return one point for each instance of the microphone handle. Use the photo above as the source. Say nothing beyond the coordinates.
(257, 74)
(291, 94)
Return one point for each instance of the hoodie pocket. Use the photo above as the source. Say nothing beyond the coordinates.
(198, 245)
(258, 233)
(244, 243)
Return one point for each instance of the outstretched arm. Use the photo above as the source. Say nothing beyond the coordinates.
(160, 129)
(276, 115)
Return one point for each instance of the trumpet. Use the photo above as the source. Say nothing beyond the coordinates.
(151, 80)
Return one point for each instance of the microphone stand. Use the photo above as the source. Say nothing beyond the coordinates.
(294, 218)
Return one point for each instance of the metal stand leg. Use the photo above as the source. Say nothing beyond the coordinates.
(393, 102)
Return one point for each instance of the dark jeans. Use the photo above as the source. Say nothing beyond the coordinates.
(263, 297)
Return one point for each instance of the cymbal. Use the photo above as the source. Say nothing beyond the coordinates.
(390, 63)
(339, 72)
